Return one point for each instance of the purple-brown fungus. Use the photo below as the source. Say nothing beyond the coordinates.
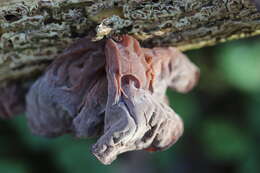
(72, 84)
(134, 118)
(114, 90)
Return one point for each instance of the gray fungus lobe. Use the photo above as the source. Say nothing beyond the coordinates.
(114, 90)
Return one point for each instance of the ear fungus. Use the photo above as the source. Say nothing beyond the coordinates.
(114, 90)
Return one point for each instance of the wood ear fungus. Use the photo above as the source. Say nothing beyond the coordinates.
(114, 90)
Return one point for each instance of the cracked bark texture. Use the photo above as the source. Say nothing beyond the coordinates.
(33, 32)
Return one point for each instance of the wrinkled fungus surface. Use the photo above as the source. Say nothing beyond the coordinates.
(71, 96)
(114, 90)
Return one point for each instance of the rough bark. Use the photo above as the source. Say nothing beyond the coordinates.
(33, 32)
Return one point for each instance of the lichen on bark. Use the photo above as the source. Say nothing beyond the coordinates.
(33, 32)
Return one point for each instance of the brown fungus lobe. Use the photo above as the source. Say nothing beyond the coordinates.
(134, 118)
(115, 90)
(59, 95)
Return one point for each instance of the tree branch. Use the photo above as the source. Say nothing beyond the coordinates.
(33, 32)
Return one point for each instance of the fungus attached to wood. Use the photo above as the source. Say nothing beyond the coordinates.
(73, 83)
(114, 90)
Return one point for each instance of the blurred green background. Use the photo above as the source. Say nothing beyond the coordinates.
(221, 116)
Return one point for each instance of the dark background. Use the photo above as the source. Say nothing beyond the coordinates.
(221, 116)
